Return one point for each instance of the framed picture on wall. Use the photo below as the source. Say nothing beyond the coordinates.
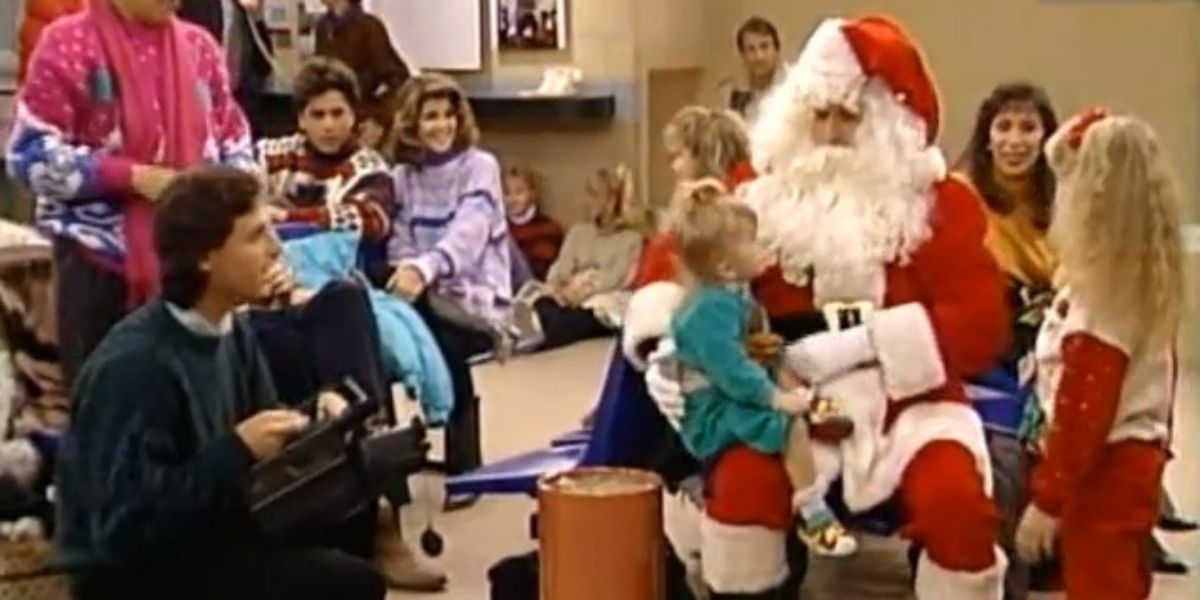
(530, 24)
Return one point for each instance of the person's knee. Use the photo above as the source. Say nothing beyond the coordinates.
(342, 293)
(949, 512)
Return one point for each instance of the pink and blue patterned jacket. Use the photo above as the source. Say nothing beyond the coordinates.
(66, 138)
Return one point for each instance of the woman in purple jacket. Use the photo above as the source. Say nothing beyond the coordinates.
(449, 240)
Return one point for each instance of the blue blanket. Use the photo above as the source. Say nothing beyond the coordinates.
(409, 350)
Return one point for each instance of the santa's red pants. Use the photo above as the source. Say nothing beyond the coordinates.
(946, 509)
(1105, 553)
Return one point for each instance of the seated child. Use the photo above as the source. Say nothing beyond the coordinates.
(538, 237)
(586, 288)
(731, 399)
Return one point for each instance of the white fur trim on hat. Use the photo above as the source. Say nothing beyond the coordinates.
(648, 317)
(937, 162)
(828, 66)
(742, 559)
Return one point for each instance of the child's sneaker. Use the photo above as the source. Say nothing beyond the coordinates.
(825, 536)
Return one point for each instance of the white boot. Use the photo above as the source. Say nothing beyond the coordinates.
(742, 559)
(935, 582)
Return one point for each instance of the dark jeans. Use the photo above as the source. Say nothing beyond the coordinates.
(89, 301)
(458, 345)
(248, 568)
(1010, 491)
(565, 325)
(319, 343)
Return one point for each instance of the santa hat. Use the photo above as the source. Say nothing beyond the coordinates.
(842, 55)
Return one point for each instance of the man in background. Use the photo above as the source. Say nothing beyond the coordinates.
(758, 45)
(230, 22)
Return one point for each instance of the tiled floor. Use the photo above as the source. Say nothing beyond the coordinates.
(534, 398)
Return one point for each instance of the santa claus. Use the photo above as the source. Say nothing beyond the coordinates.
(888, 299)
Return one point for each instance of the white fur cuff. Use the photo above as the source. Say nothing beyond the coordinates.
(935, 582)
(823, 356)
(742, 559)
(648, 317)
(908, 351)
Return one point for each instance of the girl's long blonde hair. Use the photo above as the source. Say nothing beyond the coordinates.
(615, 187)
(1116, 226)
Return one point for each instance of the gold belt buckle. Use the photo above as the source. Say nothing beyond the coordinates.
(844, 315)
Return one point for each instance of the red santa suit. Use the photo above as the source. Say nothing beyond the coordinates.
(923, 300)
(885, 239)
(1108, 410)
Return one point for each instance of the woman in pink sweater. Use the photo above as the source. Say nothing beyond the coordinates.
(117, 98)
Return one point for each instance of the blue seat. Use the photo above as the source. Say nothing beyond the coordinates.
(574, 438)
(515, 475)
(1000, 399)
(624, 420)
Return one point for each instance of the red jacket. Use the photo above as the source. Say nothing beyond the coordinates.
(540, 239)
(39, 14)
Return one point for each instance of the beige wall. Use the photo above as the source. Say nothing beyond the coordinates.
(602, 44)
(1135, 56)
(1142, 57)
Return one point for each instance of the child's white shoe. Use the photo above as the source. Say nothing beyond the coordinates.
(831, 540)
(820, 530)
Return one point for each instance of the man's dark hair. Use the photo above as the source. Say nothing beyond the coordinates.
(195, 216)
(321, 75)
(758, 26)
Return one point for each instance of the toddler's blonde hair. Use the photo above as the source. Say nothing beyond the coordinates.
(707, 225)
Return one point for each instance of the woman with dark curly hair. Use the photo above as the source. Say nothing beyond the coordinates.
(1005, 162)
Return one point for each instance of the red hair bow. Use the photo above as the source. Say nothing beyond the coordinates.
(1086, 119)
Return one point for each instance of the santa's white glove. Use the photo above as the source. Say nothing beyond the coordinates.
(1036, 535)
(663, 383)
(823, 356)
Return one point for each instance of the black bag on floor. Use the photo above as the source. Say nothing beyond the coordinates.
(515, 578)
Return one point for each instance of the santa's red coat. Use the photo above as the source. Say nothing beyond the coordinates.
(954, 279)
(952, 275)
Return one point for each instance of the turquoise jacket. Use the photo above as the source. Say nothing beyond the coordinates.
(409, 350)
(736, 404)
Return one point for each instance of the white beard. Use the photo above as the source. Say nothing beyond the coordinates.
(840, 215)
